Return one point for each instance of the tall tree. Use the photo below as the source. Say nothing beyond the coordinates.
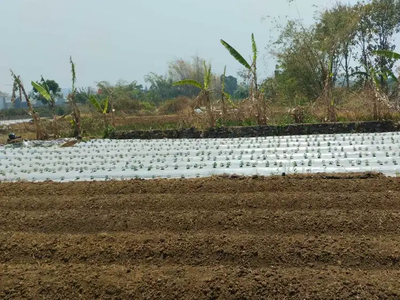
(379, 22)
(336, 29)
(299, 72)
(334, 33)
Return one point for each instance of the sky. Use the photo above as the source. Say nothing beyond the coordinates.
(127, 39)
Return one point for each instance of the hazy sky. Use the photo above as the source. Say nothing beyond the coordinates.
(127, 39)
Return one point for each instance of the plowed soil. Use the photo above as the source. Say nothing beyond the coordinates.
(215, 238)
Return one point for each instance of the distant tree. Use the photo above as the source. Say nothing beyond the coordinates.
(231, 84)
(161, 88)
(82, 94)
(241, 92)
(181, 69)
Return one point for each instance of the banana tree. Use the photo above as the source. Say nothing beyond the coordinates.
(224, 96)
(373, 77)
(44, 90)
(391, 55)
(205, 90)
(40, 131)
(101, 107)
(327, 73)
(251, 67)
(110, 92)
(76, 114)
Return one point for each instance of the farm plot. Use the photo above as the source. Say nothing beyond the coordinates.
(190, 158)
(209, 238)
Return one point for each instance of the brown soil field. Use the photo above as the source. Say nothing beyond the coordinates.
(291, 237)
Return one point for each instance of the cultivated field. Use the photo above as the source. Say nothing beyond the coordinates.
(207, 238)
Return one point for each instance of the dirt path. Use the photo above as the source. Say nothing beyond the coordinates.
(214, 238)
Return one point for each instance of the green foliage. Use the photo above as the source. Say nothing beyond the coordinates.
(109, 131)
(42, 90)
(230, 84)
(101, 107)
(189, 82)
(388, 54)
(82, 94)
(207, 76)
(161, 88)
(73, 73)
(241, 92)
(75, 112)
(148, 106)
(46, 91)
(61, 111)
(379, 22)
(206, 81)
(236, 55)
(254, 48)
(13, 112)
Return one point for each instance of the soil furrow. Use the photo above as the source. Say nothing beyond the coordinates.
(74, 281)
(388, 200)
(366, 252)
(240, 221)
(211, 185)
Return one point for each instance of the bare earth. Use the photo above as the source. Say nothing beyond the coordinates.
(216, 238)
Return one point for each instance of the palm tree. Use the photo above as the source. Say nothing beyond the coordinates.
(205, 90)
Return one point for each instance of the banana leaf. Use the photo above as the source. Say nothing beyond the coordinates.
(236, 55)
(95, 103)
(387, 53)
(42, 91)
(105, 106)
(73, 74)
(207, 76)
(188, 82)
(254, 47)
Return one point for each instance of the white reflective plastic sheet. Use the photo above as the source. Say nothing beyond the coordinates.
(189, 158)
